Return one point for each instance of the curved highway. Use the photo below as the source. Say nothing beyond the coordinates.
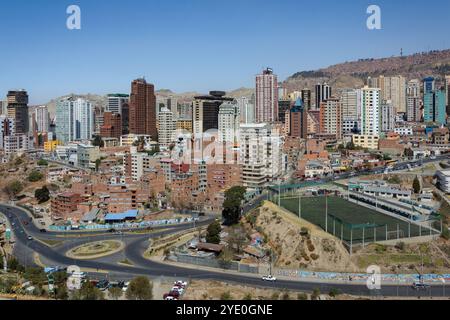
(137, 244)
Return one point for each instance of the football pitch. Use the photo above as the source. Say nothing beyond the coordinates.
(343, 215)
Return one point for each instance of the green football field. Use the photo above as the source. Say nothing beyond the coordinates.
(313, 210)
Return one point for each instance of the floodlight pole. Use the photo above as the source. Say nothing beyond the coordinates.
(299, 205)
(326, 212)
(364, 231)
(351, 240)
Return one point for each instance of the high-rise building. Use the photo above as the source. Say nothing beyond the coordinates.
(413, 112)
(64, 121)
(74, 120)
(323, 93)
(434, 109)
(229, 120)
(306, 98)
(350, 100)
(116, 102)
(283, 107)
(370, 111)
(83, 112)
(247, 110)
(388, 115)
(298, 120)
(41, 117)
(331, 117)
(142, 115)
(112, 125)
(413, 101)
(260, 154)
(172, 105)
(429, 84)
(167, 126)
(18, 110)
(266, 97)
(393, 89)
(205, 115)
(6, 129)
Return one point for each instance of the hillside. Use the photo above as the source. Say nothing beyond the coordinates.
(354, 74)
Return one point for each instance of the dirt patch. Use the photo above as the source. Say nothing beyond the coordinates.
(299, 244)
(214, 290)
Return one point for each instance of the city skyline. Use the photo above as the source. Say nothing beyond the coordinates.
(118, 43)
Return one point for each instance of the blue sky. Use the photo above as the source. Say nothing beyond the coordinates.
(198, 45)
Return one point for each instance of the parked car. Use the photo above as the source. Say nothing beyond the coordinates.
(269, 278)
(420, 286)
(42, 230)
(30, 238)
(125, 286)
(103, 285)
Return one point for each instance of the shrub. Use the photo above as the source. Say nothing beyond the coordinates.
(302, 296)
(315, 256)
(316, 294)
(35, 176)
(226, 296)
(334, 292)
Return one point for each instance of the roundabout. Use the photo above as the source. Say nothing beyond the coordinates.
(96, 250)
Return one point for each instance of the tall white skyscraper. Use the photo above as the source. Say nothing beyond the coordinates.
(64, 121)
(41, 117)
(74, 120)
(229, 120)
(166, 127)
(388, 115)
(351, 107)
(266, 97)
(260, 155)
(370, 111)
(83, 119)
(247, 110)
(413, 101)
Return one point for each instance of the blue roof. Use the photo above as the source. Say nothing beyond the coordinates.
(130, 214)
(298, 106)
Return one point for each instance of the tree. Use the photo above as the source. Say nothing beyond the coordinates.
(140, 288)
(409, 153)
(115, 293)
(98, 142)
(98, 162)
(42, 163)
(88, 291)
(35, 176)
(232, 205)
(213, 233)
(416, 185)
(42, 195)
(13, 188)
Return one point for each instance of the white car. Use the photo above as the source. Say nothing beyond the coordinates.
(125, 287)
(269, 278)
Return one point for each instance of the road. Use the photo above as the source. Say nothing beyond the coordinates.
(137, 244)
